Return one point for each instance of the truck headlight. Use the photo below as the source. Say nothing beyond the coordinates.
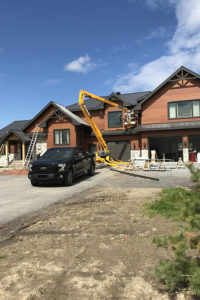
(61, 167)
(30, 167)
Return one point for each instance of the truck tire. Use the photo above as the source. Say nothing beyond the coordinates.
(34, 182)
(68, 180)
(91, 170)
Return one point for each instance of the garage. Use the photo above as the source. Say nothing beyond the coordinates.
(170, 146)
(119, 149)
(194, 143)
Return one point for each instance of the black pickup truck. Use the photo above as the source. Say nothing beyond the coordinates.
(61, 165)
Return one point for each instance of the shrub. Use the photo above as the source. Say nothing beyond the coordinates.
(182, 270)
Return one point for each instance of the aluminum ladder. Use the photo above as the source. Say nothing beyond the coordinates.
(31, 147)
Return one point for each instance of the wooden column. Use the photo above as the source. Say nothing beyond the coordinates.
(7, 151)
(23, 151)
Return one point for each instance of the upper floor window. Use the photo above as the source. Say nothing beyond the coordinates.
(61, 137)
(115, 119)
(184, 109)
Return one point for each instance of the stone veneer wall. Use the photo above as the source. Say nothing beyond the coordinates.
(40, 146)
(135, 154)
(145, 153)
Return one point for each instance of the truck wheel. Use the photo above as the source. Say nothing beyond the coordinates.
(68, 178)
(34, 182)
(91, 170)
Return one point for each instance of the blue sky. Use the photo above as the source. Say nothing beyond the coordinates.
(49, 49)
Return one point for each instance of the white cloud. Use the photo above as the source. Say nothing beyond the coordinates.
(83, 64)
(154, 4)
(159, 33)
(53, 81)
(183, 49)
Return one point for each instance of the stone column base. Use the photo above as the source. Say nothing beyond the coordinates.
(185, 154)
(135, 154)
(145, 153)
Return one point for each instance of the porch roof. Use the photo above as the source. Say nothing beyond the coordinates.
(16, 125)
(18, 133)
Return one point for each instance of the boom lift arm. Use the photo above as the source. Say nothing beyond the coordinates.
(104, 157)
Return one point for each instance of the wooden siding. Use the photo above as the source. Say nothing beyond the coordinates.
(55, 124)
(40, 119)
(100, 117)
(155, 109)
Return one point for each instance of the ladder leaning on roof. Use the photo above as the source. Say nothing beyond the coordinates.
(2, 147)
(31, 147)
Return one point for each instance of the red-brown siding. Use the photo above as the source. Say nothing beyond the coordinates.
(155, 110)
(54, 124)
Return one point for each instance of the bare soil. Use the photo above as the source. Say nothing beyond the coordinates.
(97, 245)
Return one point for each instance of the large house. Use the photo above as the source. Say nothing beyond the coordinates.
(167, 120)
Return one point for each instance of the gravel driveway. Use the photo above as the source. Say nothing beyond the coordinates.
(19, 198)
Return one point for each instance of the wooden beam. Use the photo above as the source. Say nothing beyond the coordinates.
(23, 151)
(7, 151)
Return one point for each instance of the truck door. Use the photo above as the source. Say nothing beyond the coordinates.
(86, 160)
(77, 162)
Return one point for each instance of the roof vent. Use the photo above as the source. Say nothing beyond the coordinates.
(118, 93)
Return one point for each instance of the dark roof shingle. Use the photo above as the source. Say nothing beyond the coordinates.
(16, 125)
(130, 99)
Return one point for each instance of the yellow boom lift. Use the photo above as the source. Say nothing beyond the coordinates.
(103, 156)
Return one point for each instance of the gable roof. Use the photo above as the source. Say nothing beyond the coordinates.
(130, 99)
(20, 134)
(69, 114)
(180, 74)
(16, 125)
(75, 119)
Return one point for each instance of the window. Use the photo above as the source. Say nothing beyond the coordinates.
(184, 109)
(62, 137)
(115, 119)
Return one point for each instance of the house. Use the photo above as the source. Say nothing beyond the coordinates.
(167, 120)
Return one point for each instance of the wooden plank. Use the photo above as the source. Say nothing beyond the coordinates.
(134, 175)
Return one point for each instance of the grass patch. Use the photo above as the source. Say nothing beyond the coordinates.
(2, 256)
(183, 270)
(177, 204)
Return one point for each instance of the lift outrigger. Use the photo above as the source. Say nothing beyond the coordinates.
(103, 155)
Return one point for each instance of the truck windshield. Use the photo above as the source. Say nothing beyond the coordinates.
(58, 153)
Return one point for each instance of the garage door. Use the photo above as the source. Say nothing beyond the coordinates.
(194, 143)
(120, 150)
(170, 146)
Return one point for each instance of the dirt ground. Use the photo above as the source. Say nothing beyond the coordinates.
(97, 245)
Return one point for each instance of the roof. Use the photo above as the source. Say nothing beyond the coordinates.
(91, 104)
(20, 134)
(115, 132)
(16, 125)
(67, 112)
(168, 126)
(130, 99)
(180, 74)
(75, 119)
(134, 98)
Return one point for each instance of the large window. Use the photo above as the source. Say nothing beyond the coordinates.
(115, 119)
(62, 137)
(184, 109)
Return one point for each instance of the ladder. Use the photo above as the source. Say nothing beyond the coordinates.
(2, 147)
(31, 147)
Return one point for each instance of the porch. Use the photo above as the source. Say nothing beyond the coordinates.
(13, 148)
